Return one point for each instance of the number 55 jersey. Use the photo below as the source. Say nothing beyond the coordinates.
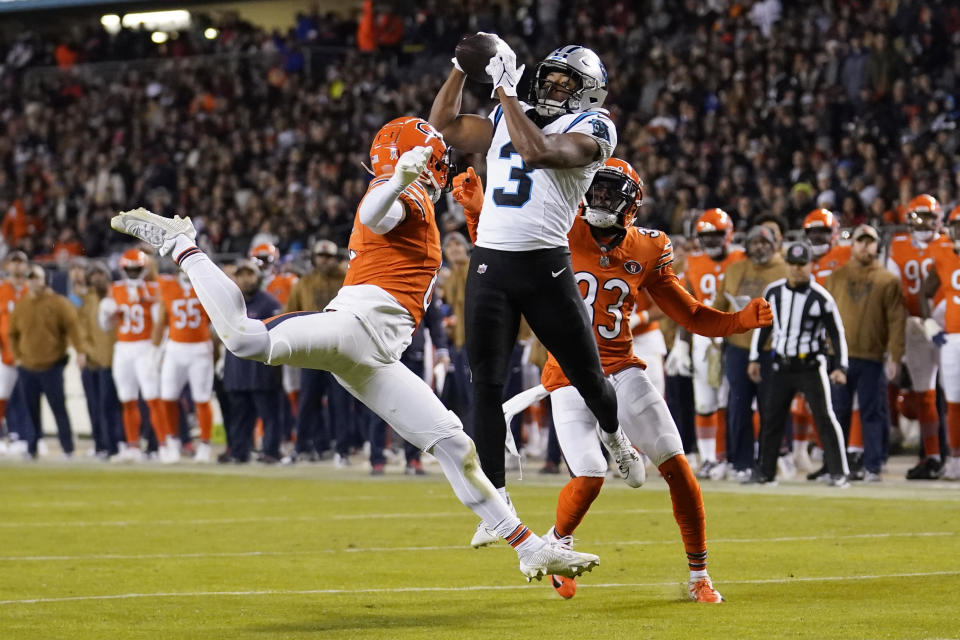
(188, 355)
(526, 208)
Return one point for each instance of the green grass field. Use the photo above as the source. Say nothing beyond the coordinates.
(100, 551)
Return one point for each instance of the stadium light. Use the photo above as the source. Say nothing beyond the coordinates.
(111, 23)
(210, 33)
(176, 20)
(159, 37)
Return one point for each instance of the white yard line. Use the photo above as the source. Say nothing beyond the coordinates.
(298, 592)
(313, 552)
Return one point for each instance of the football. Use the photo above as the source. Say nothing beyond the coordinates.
(474, 53)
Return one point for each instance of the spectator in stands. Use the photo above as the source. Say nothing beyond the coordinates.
(42, 324)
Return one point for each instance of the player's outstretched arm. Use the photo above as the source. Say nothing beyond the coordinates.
(467, 132)
(468, 192)
(381, 210)
(677, 303)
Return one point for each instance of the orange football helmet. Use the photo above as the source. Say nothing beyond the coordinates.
(402, 134)
(714, 230)
(925, 217)
(953, 223)
(132, 263)
(614, 196)
(821, 228)
(265, 254)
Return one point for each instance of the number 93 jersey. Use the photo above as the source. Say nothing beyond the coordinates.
(610, 288)
(526, 208)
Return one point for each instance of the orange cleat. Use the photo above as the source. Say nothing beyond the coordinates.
(566, 587)
(702, 591)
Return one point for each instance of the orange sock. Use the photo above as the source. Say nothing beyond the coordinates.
(294, 398)
(518, 535)
(258, 432)
(802, 419)
(929, 422)
(953, 428)
(205, 420)
(131, 423)
(171, 415)
(856, 431)
(721, 434)
(893, 392)
(573, 502)
(706, 426)
(158, 419)
(687, 509)
(756, 425)
(3, 408)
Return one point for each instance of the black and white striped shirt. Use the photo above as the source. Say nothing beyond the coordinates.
(802, 318)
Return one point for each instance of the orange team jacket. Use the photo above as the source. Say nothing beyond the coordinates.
(186, 319)
(135, 305)
(405, 261)
(704, 274)
(913, 264)
(9, 295)
(641, 262)
(832, 260)
(947, 265)
(280, 285)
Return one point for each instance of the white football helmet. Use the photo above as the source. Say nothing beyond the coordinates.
(581, 64)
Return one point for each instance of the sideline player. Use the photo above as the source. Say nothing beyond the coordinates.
(540, 159)
(187, 359)
(703, 275)
(910, 259)
(614, 264)
(945, 277)
(395, 257)
(131, 308)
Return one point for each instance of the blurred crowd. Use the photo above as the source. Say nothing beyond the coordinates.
(759, 108)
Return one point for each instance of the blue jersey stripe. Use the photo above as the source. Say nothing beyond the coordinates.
(497, 114)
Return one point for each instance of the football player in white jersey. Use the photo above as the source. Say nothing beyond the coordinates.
(541, 158)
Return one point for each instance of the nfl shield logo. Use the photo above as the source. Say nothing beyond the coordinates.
(482, 268)
(632, 266)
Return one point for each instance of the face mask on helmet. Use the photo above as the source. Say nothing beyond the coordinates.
(610, 200)
(133, 273)
(439, 173)
(819, 239)
(711, 242)
(923, 225)
(589, 77)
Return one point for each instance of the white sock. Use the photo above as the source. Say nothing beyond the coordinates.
(708, 449)
(696, 575)
(531, 544)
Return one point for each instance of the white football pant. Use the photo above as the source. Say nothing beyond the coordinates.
(652, 348)
(706, 398)
(134, 370)
(187, 363)
(8, 378)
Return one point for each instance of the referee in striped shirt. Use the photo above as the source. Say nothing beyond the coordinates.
(804, 314)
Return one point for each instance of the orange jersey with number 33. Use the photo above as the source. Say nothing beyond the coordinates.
(405, 261)
(186, 319)
(610, 291)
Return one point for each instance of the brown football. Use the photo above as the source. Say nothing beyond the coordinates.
(474, 53)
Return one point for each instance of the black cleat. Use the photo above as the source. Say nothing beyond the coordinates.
(929, 469)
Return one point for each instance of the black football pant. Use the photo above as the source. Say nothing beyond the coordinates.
(813, 383)
(502, 285)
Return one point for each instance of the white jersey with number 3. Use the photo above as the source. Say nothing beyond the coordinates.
(526, 208)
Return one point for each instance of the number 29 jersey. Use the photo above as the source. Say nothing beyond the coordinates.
(610, 289)
(526, 208)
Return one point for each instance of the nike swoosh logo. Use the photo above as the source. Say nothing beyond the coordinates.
(556, 273)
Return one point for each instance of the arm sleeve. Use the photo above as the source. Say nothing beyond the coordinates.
(676, 302)
(834, 325)
(381, 210)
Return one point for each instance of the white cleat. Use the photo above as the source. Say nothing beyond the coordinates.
(555, 559)
(625, 456)
(203, 453)
(159, 232)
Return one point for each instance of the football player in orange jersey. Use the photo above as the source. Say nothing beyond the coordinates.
(945, 277)
(910, 258)
(614, 263)
(279, 285)
(187, 356)
(704, 272)
(132, 308)
(12, 288)
(395, 257)
(822, 229)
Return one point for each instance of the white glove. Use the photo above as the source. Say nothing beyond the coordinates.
(931, 328)
(456, 64)
(503, 70)
(678, 361)
(411, 164)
